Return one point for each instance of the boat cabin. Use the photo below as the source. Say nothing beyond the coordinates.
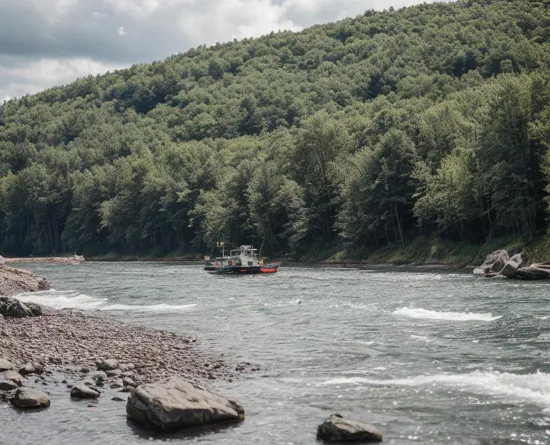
(244, 256)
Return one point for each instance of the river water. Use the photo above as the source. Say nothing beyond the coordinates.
(443, 358)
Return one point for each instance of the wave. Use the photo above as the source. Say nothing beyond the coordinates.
(450, 316)
(74, 300)
(531, 388)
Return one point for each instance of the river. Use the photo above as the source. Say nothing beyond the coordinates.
(438, 357)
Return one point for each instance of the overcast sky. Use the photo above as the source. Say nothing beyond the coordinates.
(51, 42)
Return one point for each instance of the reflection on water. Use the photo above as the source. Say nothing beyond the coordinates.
(428, 357)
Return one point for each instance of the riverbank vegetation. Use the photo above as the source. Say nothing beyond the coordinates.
(361, 136)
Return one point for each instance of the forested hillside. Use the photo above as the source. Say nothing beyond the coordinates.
(433, 119)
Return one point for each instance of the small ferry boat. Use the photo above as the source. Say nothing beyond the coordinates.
(244, 260)
(214, 263)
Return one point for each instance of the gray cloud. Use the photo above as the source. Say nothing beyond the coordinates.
(50, 42)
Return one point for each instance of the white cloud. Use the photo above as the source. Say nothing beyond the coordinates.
(233, 19)
(135, 8)
(50, 42)
(41, 74)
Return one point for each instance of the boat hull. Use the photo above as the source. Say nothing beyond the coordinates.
(236, 270)
(270, 268)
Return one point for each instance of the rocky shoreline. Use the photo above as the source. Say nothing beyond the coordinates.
(85, 352)
(72, 343)
(75, 259)
(16, 281)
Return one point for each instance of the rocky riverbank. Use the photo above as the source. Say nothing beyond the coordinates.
(517, 267)
(15, 281)
(75, 259)
(74, 344)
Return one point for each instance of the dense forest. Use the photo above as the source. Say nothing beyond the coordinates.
(368, 132)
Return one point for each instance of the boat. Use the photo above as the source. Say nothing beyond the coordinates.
(214, 263)
(269, 268)
(242, 261)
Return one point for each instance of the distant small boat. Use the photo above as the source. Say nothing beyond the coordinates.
(270, 268)
(241, 261)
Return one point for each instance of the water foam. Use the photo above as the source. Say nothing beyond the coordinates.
(531, 388)
(74, 300)
(450, 316)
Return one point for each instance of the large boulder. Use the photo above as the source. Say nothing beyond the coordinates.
(494, 262)
(177, 404)
(28, 398)
(532, 273)
(338, 429)
(10, 307)
(510, 269)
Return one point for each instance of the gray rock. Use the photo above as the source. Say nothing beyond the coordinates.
(116, 385)
(7, 385)
(338, 429)
(12, 376)
(494, 262)
(114, 373)
(5, 365)
(520, 260)
(35, 309)
(10, 307)
(118, 399)
(510, 269)
(176, 404)
(99, 376)
(107, 365)
(31, 368)
(532, 273)
(28, 398)
(126, 381)
(81, 391)
(127, 367)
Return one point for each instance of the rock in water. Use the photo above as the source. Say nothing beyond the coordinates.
(338, 429)
(177, 404)
(494, 262)
(5, 365)
(28, 398)
(510, 269)
(81, 391)
(532, 273)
